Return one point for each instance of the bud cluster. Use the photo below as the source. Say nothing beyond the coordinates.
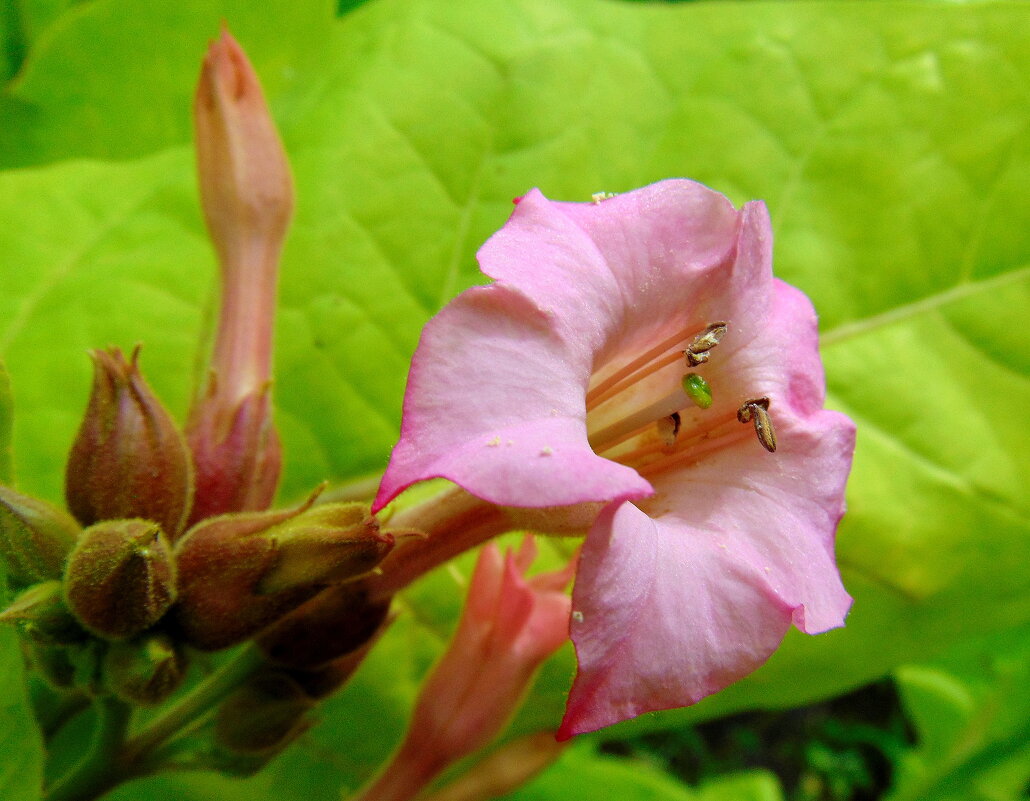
(114, 597)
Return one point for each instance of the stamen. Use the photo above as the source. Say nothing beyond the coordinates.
(697, 352)
(653, 360)
(668, 428)
(714, 429)
(756, 410)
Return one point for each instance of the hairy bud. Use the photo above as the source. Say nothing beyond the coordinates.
(263, 716)
(120, 578)
(239, 573)
(337, 621)
(145, 670)
(129, 458)
(35, 537)
(40, 614)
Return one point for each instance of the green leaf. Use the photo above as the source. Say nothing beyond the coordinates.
(6, 418)
(889, 139)
(21, 750)
(581, 774)
(970, 709)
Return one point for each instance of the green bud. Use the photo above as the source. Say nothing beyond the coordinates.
(221, 562)
(120, 578)
(239, 573)
(145, 670)
(326, 544)
(697, 390)
(262, 716)
(129, 458)
(40, 614)
(35, 537)
(337, 621)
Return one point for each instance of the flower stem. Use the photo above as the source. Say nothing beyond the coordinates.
(191, 707)
(102, 768)
(454, 522)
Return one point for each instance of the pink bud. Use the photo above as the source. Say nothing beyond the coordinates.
(510, 625)
(247, 195)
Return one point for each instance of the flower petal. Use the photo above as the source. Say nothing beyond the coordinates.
(661, 619)
(495, 404)
(496, 396)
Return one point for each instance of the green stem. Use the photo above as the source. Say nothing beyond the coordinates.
(102, 768)
(191, 707)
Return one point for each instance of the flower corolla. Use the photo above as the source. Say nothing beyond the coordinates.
(635, 355)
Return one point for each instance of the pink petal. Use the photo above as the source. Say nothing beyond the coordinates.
(661, 619)
(495, 403)
(496, 396)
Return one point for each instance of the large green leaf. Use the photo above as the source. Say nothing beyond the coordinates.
(971, 711)
(5, 426)
(21, 751)
(889, 139)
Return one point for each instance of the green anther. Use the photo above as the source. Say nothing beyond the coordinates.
(697, 390)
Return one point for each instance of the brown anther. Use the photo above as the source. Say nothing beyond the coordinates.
(756, 410)
(697, 352)
(668, 428)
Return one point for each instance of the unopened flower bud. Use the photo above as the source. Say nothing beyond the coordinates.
(221, 562)
(327, 544)
(145, 670)
(263, 716)
(120, 578)
(41, 615)
(337, 621)
(239, 573)
(247, 194)
(129, 458)
(35, 537)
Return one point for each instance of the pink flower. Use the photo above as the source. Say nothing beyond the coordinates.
(561, 385)
(509, 626)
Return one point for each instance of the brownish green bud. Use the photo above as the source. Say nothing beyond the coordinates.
(327, 544)
(337, 621)
(145, 670)
(323, 681)
(129, 458)
(239, 573)
(221, 562)
(35, 537)
(263, 716)
(40, 614)
(120, 578)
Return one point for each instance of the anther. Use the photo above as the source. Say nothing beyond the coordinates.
(697, 351)
(697, 390)
(668, 428)
(756, 410)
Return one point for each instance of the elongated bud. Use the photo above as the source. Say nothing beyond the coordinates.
(120, 578)
(247, 195)
(263, 716)
(337, 621)
(41, 614)
(129, 458)
(145, 670)
(35, 537)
